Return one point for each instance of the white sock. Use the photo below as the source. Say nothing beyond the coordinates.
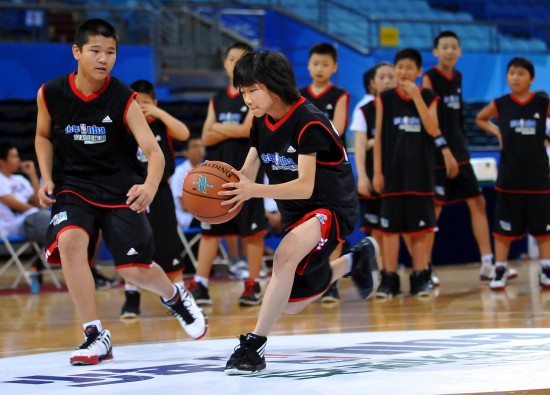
(487, 259)
(96, 323)
(545, 263)
(504, 263)
(349, 259)
(181, 284)
(174, 294)
(202, 280)
(131, 287)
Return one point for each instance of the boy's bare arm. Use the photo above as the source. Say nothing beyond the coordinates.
(341, 114)
(378, 178)
(44, 151)
(483, 120)
(175, 128)
(363, 182)
(427, 82)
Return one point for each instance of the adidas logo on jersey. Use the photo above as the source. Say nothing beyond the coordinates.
(244, 109)
(548, 227)
(422, 223)
(107, 119)
(131, 251)
(536, 116)
(291, 150)
(175, 262)
(329, 106)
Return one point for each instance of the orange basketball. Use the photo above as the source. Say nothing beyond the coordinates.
(200, 192)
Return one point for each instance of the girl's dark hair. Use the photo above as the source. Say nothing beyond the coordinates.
(144, 86)
(94, 27)
(524, 63)
(269, 68)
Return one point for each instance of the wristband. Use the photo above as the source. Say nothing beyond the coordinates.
(440, 142)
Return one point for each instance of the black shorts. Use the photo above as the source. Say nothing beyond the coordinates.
(162, 217)
(369, 210)
(127, 234)
(454, 190)
(407, 214)
(517, 214)
(249, 222)
(314, 273)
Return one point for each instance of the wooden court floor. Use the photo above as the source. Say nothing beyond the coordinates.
(46, 322)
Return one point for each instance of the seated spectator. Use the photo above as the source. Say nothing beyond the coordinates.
(194, 154)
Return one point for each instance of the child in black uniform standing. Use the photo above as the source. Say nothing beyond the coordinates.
(523, 182)
(162, 211)
(334, 103)
(406, 131)
(446, 81)
(313, 184)
(87, 135)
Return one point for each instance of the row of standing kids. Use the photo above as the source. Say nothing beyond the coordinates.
(400, 194)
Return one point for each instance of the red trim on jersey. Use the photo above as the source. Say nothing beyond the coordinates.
(417, 233)
(331, 135)
(145, 265)
(527, 192)
(443, 74)
(232, 95)
(414, 193)
(449, 202)
(522, 103)
(52, 252)
(510, 238)
(541, 237)
(273, 127)
(132, 98)
(92, 203)
(92, 96)
(408, 99)
(310, 91)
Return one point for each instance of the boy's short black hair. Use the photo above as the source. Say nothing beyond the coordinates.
(272, 69)
(324, 49)
(94, 27)
(144, 86)
(443, 34)
(192, 136)
(5, 148)
(238, 45)
(409, 53)
(522, 62)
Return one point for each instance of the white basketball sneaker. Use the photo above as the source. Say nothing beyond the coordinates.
(190, 316)
(96, 347)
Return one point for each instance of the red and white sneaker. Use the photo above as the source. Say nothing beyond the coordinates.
(95, 349)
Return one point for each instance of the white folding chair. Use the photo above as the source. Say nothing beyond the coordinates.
(17, 247)
(189, 237)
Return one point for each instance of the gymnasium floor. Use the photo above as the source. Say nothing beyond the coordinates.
(468, 339)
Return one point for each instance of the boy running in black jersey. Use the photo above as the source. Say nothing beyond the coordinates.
(87, 135)
(313, 183)
(334, 102)
(406, 131)
(162, 211)
(446, 81)
(523, 182)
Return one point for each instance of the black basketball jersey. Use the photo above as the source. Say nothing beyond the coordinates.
(326, 100)
(94, 152)
(229, 109)
(369, 112)
(449, 113)
(305, 130)
(523, 162)
(407, 149)
(165, 142)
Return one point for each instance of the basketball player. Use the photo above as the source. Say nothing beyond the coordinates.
(334, 102)
(87, 134)
(446, 81)
(162, 211)
(313, 184)
(406, 132)
(369, 201)
(225, 134)
(523, 182)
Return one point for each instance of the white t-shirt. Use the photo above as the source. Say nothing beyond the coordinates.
(22, 190)
(176, 185)
(358, 122)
